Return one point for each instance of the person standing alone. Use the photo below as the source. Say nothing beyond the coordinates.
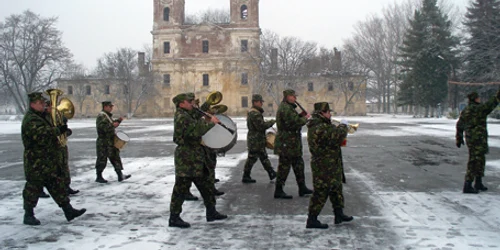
(472, 121)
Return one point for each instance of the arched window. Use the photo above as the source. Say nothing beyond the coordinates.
(166, 14)
(244, 12)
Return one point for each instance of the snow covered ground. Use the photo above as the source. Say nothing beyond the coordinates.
(134, 214)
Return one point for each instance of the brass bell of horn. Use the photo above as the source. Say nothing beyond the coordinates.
(214, 98)
(66, 107)
(218, 109)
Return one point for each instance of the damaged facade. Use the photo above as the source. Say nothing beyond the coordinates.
(207, 57)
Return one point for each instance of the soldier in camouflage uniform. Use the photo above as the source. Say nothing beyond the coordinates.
(473, 121)
(190, 161)
(69, 132)
(43, 161)
(288, 144)
(324, 141)
(256, 140)
(105, 143)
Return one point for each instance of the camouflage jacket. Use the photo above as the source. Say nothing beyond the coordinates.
(324, 141)
(256, 136)
(190, 156)
(472, 121)
(105, 129)
(288, 140)
(42, 150)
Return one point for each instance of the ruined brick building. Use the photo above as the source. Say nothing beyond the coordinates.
(207, 57)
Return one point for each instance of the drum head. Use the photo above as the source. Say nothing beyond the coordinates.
(122, 136)
(220, 138)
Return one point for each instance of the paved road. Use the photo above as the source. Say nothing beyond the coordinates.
(375, 165)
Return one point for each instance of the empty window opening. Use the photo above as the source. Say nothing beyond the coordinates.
(166, 47)
(244, 101)
(205, 80)
(166, 14)
(244, 12)
(205, 46)
(244, 78)
(88, 90)
(70, 90)
(244, 45)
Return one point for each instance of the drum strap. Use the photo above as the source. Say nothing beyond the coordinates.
(107, 116)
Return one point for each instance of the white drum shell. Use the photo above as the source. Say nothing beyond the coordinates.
(219, 138)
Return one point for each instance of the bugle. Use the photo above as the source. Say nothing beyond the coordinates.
(351, 127)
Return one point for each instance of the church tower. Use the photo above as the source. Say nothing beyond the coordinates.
(169, 13)
(245, 13)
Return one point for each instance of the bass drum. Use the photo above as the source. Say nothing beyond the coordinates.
(270, 137)
(220, 139)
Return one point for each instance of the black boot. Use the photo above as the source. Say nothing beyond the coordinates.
(72, 213)
(272, 174)
(216, 180)
(313, 222)
(479, 184)
(71, 191)
(212, 215)
(217, 192)
(100, 179)
(468, 189)
(246, 178)
(190, 197)
(122, 177)
(43, 195)
(303, 190)
(176, 221)
(280, 194)
(29, 218)
(340, 216)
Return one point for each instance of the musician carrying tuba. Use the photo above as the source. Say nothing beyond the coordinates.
(60, 114)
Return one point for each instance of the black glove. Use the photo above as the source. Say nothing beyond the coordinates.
(460, 142)
(63, 128)
(69, 132)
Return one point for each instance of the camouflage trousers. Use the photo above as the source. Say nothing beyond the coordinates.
(261, 155)
(54, 183)
(181, 188)
(326, 187)
(475, 165)
(108, 152)
(297, 163)
(65, 169)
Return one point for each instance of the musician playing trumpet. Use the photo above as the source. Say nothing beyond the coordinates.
(288, 144)
(324, 141)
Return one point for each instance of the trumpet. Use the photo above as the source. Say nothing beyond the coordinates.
(351, 127)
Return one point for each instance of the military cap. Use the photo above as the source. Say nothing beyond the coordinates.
(257, 97)
(180, 98)
(107, 103)
(472, 96)
(190, 95)
(35, 96)
(321, 107)
(288, 92)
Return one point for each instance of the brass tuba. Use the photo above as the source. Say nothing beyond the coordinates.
(66, 109)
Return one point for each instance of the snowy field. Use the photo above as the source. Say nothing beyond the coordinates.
(134, 214)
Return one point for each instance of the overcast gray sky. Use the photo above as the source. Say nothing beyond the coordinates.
(94, 27)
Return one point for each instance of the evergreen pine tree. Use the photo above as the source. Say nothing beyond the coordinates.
(482, 59)
(428, 56)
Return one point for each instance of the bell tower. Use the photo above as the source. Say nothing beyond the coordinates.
(245, 13)
(169, 12)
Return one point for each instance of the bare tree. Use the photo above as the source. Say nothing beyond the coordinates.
(209, 16)
(31, 55)
(133, 86)
(284, 60)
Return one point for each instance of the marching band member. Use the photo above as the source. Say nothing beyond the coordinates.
(256, 140)
(324, 141)
(43, 160)
(105, 144)
(288, 145)
(190, 161)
